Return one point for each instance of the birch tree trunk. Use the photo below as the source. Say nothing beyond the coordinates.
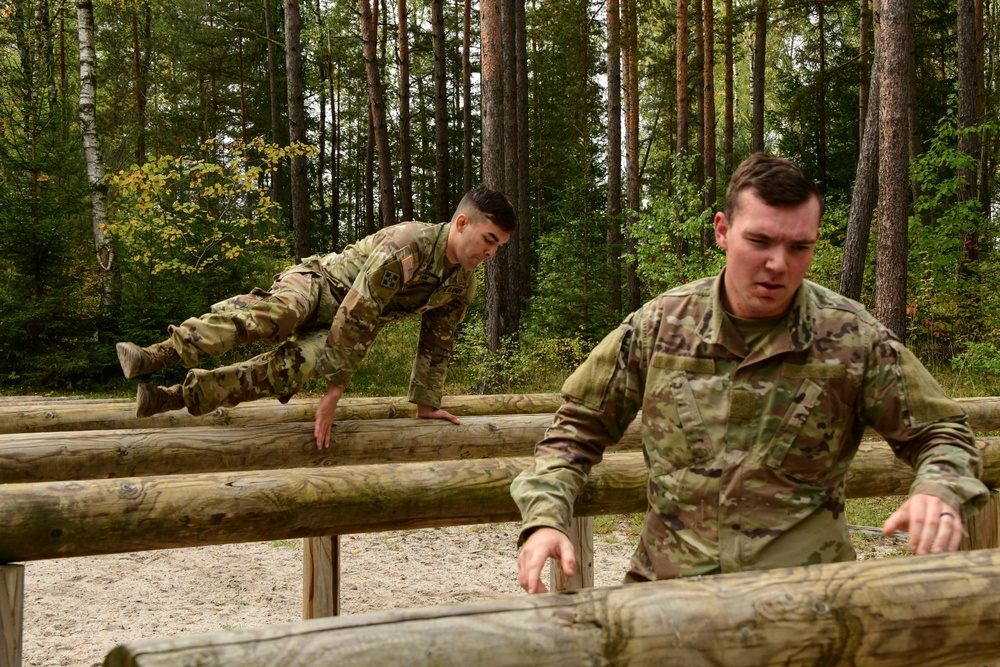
(92, 154)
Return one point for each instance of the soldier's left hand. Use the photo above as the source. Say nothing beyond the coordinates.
(428, 412)
(934, 525)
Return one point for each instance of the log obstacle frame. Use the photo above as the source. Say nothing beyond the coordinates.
(47, 507)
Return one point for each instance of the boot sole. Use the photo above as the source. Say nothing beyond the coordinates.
(130, 359)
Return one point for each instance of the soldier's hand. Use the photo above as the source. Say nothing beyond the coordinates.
(542, 544)
(325, 412)
(934, 525)
(428, 412)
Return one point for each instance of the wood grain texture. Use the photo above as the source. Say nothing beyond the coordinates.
(86, 517)
(11, 614)
(928, 611)
(76, 415)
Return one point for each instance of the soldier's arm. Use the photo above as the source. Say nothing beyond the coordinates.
(357, 321)
(925, 428)
(437, 340)
(602, 398)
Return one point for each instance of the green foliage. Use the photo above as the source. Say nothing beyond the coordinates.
(675, 241)
(185, 215)
(532, 365)
(952, 301)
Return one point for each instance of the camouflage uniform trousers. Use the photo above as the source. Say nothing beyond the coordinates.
(295, 312)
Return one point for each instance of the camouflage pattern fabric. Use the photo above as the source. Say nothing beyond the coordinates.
(326, 312)
(747, 450)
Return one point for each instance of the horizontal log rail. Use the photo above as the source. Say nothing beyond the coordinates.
(33, 457)
(116, 414)
(86, 517)
(87, 415)
(932, 610)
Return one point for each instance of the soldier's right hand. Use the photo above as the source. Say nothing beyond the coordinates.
(542, 544)
(325, 412)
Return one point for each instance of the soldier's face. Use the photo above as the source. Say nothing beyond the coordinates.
(768, 251)
(474, 241)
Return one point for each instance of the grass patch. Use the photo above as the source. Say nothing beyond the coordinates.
(871, 511)
(286, 544)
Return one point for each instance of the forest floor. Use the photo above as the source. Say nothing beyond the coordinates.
(78, 609)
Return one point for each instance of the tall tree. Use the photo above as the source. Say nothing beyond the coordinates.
(466, 96)
(968, 140)
(406, 162)
(297, 130)
(613, 283)
(509, 255)
(442, 207)
(730, 121)
(491, 66)
(682, 77)
(92, 154)
(864, 29)
(633, 194)
(895, 39)
(376, 101)
(709, 122)
(863, 196)
(523, 205)
(759, 72)
(272, 78)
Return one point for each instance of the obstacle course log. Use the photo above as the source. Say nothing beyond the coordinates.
(82, 518)
(932, 610)
(34, 457)
(87, 517)
(39, 417)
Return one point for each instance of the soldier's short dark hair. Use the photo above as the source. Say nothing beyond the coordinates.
(778, 182)
(491, 203)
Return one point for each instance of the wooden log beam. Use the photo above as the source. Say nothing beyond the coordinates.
(80, 518)
(86, 517)
(11, 615)
(33, 457)
(931, 610)
(115, 414)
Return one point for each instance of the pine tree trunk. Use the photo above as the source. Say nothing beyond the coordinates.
(523, 156)
(509, 255)
(376, 102)
(968, 142)
(297, 130)
(852, 269)
(682, 78)
(864, 84)
(613, 282)
(709, 122)
(730, 122)
(632, 142)
(759, 68)
(272, 76)
(895, 39)
(467, 178)
(92, 154)
(491, 37)
(442, 207)
(406, 162)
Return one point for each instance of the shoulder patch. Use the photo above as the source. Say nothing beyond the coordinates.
(390, 279)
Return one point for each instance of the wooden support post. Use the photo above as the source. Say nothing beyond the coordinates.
(11, 614)
(983, 528)
(320, 577)
(582, 536)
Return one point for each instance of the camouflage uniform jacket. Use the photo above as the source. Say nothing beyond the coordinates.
(398, 271)
(747, 450)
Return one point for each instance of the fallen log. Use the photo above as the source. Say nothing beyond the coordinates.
(87, 517)
(931, 610)
(36, 457)
(116, 414)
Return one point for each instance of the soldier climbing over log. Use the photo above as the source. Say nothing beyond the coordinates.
(326, 311)
(755, 388)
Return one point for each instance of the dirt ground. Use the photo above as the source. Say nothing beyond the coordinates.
(78, 609)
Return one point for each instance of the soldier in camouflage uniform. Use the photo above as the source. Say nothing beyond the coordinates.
(325, 313)
(754, 387)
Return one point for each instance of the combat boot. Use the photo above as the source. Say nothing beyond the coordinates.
(136, 361)
(150, 400)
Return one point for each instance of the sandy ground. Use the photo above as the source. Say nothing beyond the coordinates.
(78, 609)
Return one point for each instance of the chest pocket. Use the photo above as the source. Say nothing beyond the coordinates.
(808, 443)
(674, 431)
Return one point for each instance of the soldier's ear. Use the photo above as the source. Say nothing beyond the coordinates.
(461, 221)
(721, 230)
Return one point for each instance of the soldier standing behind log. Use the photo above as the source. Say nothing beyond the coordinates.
(755, 388)
(326, 312)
